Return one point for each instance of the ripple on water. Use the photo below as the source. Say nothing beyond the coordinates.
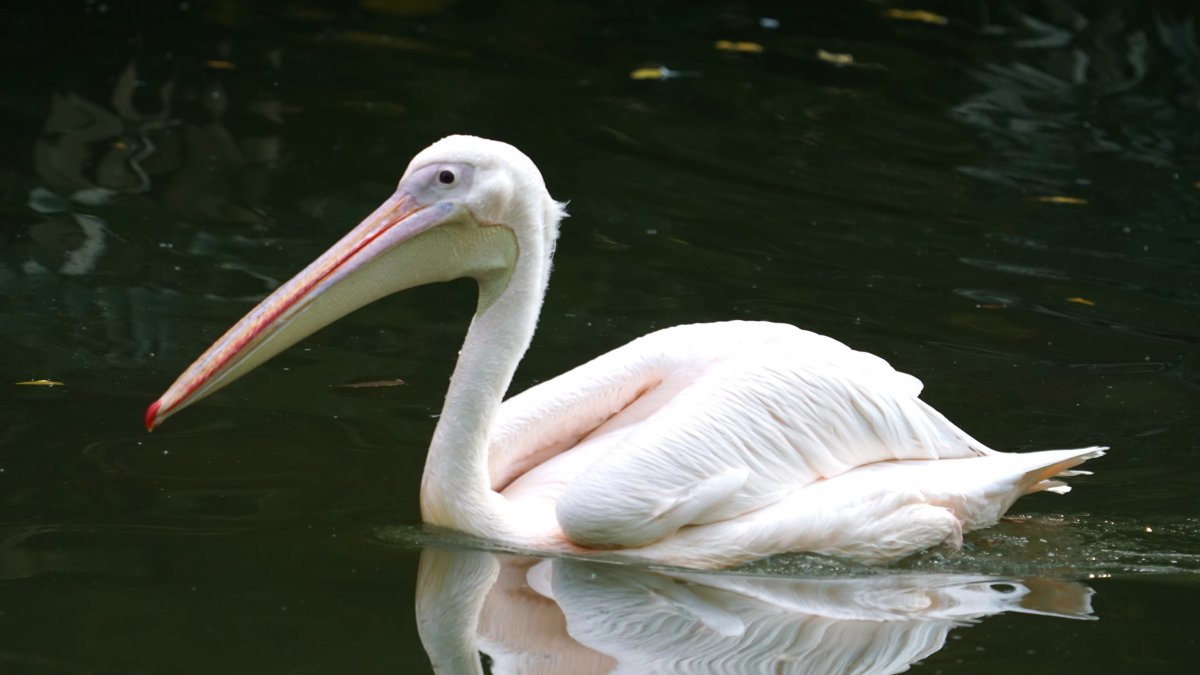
(1077, 547)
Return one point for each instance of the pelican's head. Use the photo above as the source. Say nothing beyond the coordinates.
(465, 207)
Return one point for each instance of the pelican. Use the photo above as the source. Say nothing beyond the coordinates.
(701, 446)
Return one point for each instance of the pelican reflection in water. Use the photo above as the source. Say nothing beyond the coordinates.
(533, 615)
(703, 445)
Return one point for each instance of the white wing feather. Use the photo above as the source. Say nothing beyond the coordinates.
(701, 423)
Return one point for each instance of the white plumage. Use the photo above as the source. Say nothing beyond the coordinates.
(703, 445)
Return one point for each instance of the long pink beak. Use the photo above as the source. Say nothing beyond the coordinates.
(338, 282)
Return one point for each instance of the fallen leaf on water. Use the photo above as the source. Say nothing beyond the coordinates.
(836, 59)
(40, 383)
(606, 244)
(387, 41)
(370, 384)
(992, 323)
(1082, 301)
(656, 73)
(1060, 199)
(217, 64)
(916, 15)
(748, 47)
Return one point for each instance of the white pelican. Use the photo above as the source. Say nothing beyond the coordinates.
(704, 445)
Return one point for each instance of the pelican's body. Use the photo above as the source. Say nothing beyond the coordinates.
(703, 445)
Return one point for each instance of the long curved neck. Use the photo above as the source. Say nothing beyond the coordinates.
(456, 489)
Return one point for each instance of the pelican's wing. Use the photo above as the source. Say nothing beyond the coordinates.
(780, 413)
(697, 424)
(622, 388)
(553, 416)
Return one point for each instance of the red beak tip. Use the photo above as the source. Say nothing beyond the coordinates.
(152, 415)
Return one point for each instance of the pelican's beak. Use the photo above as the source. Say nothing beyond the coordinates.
(401, 245)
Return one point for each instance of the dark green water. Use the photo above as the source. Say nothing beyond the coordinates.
(1005, 205)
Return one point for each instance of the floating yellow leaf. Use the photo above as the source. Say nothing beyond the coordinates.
(40, 383)
(386, 41)
(217, 64)
(656, 73)
(916, 15)
(747, 47)
(1060, 199)
(1196, 185)
(836, 59)
(1082, 301)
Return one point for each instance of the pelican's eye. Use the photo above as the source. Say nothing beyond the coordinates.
(441, 180)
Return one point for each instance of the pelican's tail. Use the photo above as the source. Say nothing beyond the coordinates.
(1054, 464)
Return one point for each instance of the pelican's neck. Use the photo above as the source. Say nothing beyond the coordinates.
(456, 488)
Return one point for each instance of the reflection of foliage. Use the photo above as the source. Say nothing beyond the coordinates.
(1117, 78)
(170, 141)
(176, 143)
